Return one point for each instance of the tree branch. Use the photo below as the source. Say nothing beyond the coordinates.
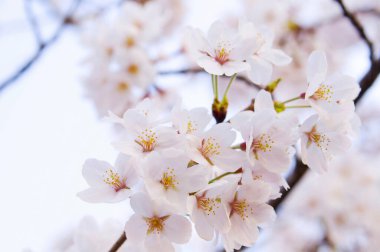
(359, 28)
(33, 22)
(118, 243)
(43, 45)
(369, 79)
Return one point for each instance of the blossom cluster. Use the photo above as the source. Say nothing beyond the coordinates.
(122, 56)
(185, 168)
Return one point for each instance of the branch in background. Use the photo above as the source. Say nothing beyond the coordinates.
(33, 21)
(200, 70)
(300, 170)
(359, 28)
(369, 79)
(42, 45)
(118, 243)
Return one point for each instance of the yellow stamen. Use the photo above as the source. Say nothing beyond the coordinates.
(324, 92)
(169, 180)
(133, 69)
(209, 147)
(113, 179)
(147, 140)
(156, 224)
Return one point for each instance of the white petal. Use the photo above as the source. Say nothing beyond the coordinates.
(202, 226)
(94, 170)
(136, 228)
(142, 204)
(276, 57)
(99, 194)
(160, 243)
(177, 229)
(263, 100)
(316, 71)
(261, 70)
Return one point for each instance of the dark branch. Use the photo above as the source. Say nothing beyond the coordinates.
(118, 243)
(369, 79)
(359, 28)
(43, 45)
(33, 22)
(300, 170)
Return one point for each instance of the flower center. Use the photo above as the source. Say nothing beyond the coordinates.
(209, 147)
(262, 143)
(155, 224)
(113, 179)
(169, 180)
(130, 41)
(147, 140)
(122, 87)
(241, 208)
(190, 127)
(324, 92)
(321, 140)
(208, 205)
(133, 69)
(221, 55)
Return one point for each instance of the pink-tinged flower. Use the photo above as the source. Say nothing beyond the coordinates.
(320, 141)
(222, 52)
(136, 64)
(247, 211)
(170, 179)
(143, 132)
(108, 183)
(269, 138)
(328, 95)
(209, 210)
(213, 147)
(154, 226)
(257, 173)
(262, 56)
(190, 122)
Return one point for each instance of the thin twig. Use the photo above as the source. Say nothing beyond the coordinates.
(118, 243)
(359, 28)
(67, 19)
(33, 22)
(369, 79)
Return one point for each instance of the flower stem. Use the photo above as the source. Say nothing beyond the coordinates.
(293, 99)
(301, 106)
(216, 86)
(233, 77)
(225, 174)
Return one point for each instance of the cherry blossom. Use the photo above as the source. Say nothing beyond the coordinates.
(263, 56)
(170, 179)
(328, 95)
(108, 183)
(248, 211)
(154, 226)
(320, 142)
(209, 210)
(213, 147)
(222, 52)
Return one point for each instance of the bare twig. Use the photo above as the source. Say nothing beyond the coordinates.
(359, 28)
(118, 243)
(33, 22)
(369, 79)
(67, 19)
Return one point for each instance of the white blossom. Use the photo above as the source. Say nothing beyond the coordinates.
(108, 183)
(155, 227)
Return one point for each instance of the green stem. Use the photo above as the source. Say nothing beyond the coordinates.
(213, 84)
(301, 106)
(233, 77)
(216, 86)
(293, 99)
(224, 174)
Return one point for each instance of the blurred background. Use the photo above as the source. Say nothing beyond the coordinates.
(58, 81)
